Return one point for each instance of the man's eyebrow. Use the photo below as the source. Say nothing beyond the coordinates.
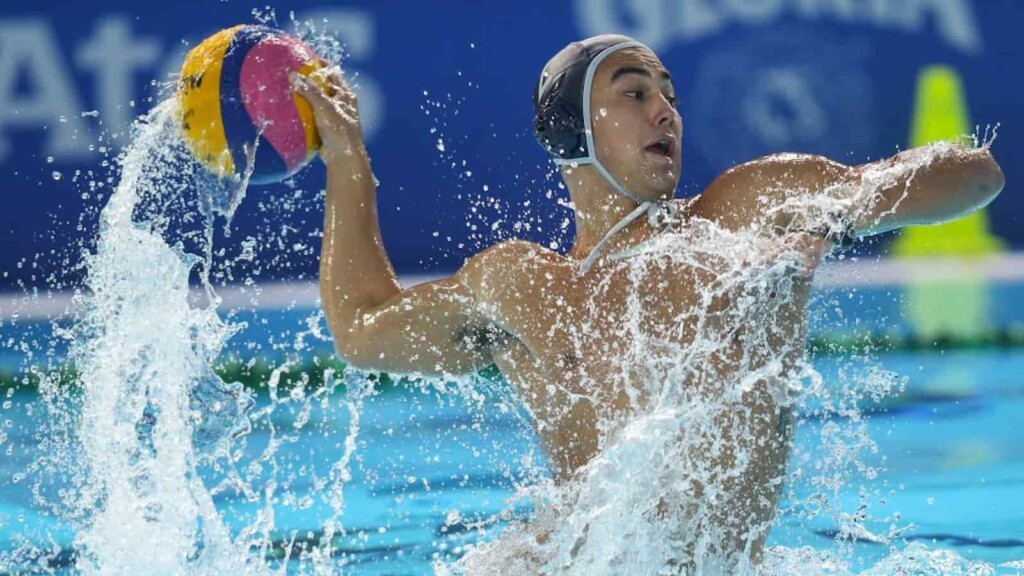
(641, 71)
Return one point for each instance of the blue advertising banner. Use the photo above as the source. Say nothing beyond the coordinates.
(444, 91)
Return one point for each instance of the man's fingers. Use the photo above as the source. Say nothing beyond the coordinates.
(335, 78)
(300, 83)
(333, 82)
(308, 90)
(341, 103)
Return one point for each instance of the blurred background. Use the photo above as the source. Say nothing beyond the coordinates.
(445, 97)
(444, 90)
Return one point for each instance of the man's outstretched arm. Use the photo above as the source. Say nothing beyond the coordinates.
(922, 186)
(375, 324)
(925, 185)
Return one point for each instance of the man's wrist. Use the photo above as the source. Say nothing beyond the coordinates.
(348, 160)
(350, 174)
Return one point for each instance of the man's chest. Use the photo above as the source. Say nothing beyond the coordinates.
(589, 327)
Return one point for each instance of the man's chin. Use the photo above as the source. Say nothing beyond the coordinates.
(662, 186)
(657, 195)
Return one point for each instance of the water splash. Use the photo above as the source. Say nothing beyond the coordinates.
(689, 477)
(145, 358)
(149, 408)
(661, 497)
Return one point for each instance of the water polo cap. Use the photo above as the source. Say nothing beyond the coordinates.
(562, 123)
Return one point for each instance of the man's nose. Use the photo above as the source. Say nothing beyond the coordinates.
(665, 113)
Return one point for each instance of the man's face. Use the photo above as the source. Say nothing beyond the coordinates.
(637, 129)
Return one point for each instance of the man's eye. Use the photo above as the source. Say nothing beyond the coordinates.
(637, 94)
(673, 101)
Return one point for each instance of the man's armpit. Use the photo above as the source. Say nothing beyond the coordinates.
(488, 337)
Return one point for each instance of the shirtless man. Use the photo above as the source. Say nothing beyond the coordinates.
(606, 112)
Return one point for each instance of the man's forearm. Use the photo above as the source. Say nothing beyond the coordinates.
(926, 185)
(355, 272)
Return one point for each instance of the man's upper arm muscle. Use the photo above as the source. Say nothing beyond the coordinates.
(924, 185)
(757, 193)
(435, 328)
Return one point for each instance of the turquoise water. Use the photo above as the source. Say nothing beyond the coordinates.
(428, 463)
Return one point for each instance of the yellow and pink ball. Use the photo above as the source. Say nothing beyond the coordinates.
(234, 90)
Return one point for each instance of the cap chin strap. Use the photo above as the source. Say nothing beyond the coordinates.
(655, 209)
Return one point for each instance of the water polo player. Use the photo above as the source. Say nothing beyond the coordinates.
(582, 335)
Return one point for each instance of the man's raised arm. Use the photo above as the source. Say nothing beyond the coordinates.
(375, 324)
(925, 185)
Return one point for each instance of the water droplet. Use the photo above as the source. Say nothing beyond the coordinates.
(49, 159)
(604, 112)
(440, 145)
(486, 187)
(56, 175)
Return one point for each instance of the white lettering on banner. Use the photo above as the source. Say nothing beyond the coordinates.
(29, 50)
(38, 91)
(114, 56)
(753, 11)
(954, 19)
(356, 30)
(649, 19)
(659, 22)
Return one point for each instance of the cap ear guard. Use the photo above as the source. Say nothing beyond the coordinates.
(562, 97)
(558, 127)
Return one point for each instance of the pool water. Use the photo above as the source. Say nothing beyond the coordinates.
(952, 454)
(428, 465)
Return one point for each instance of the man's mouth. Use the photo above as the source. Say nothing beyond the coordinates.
(663, 146)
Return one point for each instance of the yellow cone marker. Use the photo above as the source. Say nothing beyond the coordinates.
(956, 308)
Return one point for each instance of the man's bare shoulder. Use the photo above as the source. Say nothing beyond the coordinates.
(510, 261)
(517, 250)
(512, 283)
(774, 164)
(737, 197)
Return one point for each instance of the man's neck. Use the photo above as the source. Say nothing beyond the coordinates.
(598, 207)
